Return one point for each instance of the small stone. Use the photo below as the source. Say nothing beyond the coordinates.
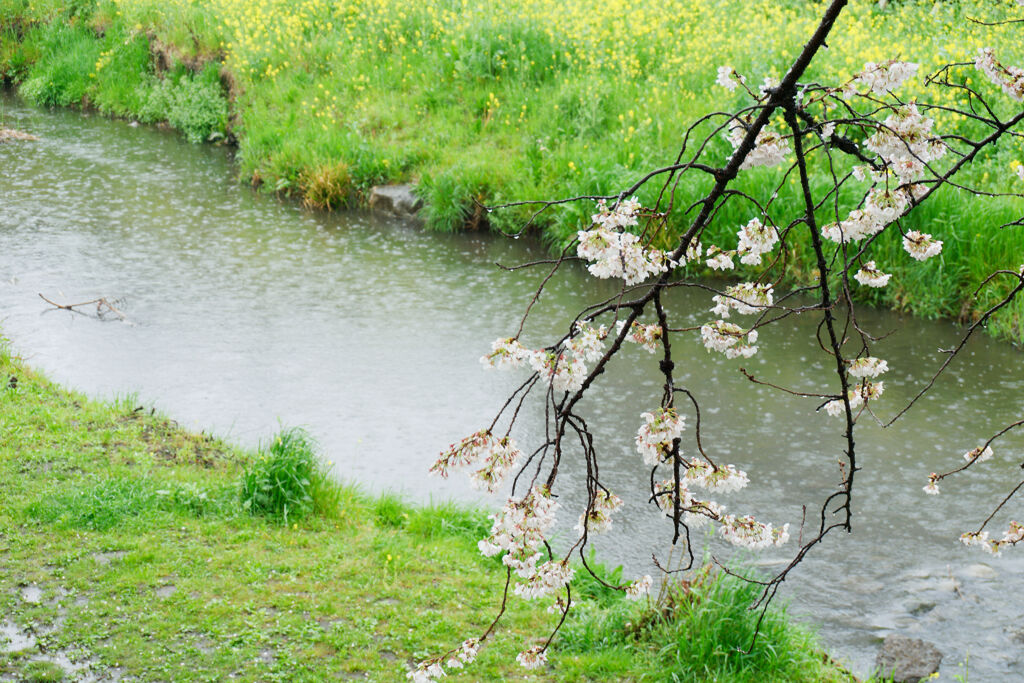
(907, 660)
(396, 200)
(165, 591)
(32, 594)
(921, 608)
(106, 558)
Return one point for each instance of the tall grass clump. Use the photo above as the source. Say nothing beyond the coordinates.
(60, 77)
(287, 480)
(704, 630)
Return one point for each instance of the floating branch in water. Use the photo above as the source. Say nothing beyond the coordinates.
(102, 304)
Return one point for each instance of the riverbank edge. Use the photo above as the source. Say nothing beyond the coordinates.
(131, 550)
(455, 202)
(459, 204)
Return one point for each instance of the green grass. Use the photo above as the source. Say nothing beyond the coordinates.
(703, 631)
(147, 562)
(286, 479)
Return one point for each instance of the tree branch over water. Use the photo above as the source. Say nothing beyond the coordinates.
(861, 160)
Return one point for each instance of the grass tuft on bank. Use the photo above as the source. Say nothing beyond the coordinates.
(133, 547)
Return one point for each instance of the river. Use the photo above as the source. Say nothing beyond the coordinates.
(246, 313)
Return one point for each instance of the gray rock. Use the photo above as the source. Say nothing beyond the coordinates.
(397, 200)
(907, 660)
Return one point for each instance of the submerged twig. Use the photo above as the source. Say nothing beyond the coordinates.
(101, 303)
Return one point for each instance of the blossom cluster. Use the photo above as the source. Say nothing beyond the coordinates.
(588, 343)
(647, 336)
(613, 251)
(859, 396)
(744, 298)
(728, 78)
(1009, 78)
(728, 338)
(720, 260)
(885, 77)
(870, 276)
(696, 513)
(639, 588)
(904, 141)
(1012, 536)
(868, 366)
(722, 478)
(755, 240)
(544, 579)
(432, 669)
(978, 454)
(598, 517)
(519, 530)
(564, 370)
(498, 456)
(747, 532)
(521, 526)
(506, 353)
(770, 148)
(654, 438)
(533, 658)
(741, 531)
(882, 206)
(921, 245)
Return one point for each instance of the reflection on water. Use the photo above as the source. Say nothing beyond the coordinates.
(246, 312)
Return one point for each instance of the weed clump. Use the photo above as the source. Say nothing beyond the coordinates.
(287, 479)
(326, 186)
(700, 630)
(194, 104)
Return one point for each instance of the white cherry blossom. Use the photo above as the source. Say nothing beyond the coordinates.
(885, 77)
(870, 276)
(728, 78)
(533, 658)
(868, 366)
(654, 438)
(639, 588)
(729, 339)
(978, 454)
(920, 245)
(1009, 78)
(745, 298)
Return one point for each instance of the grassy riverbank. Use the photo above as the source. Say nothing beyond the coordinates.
(476, 101)
(126, 548)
